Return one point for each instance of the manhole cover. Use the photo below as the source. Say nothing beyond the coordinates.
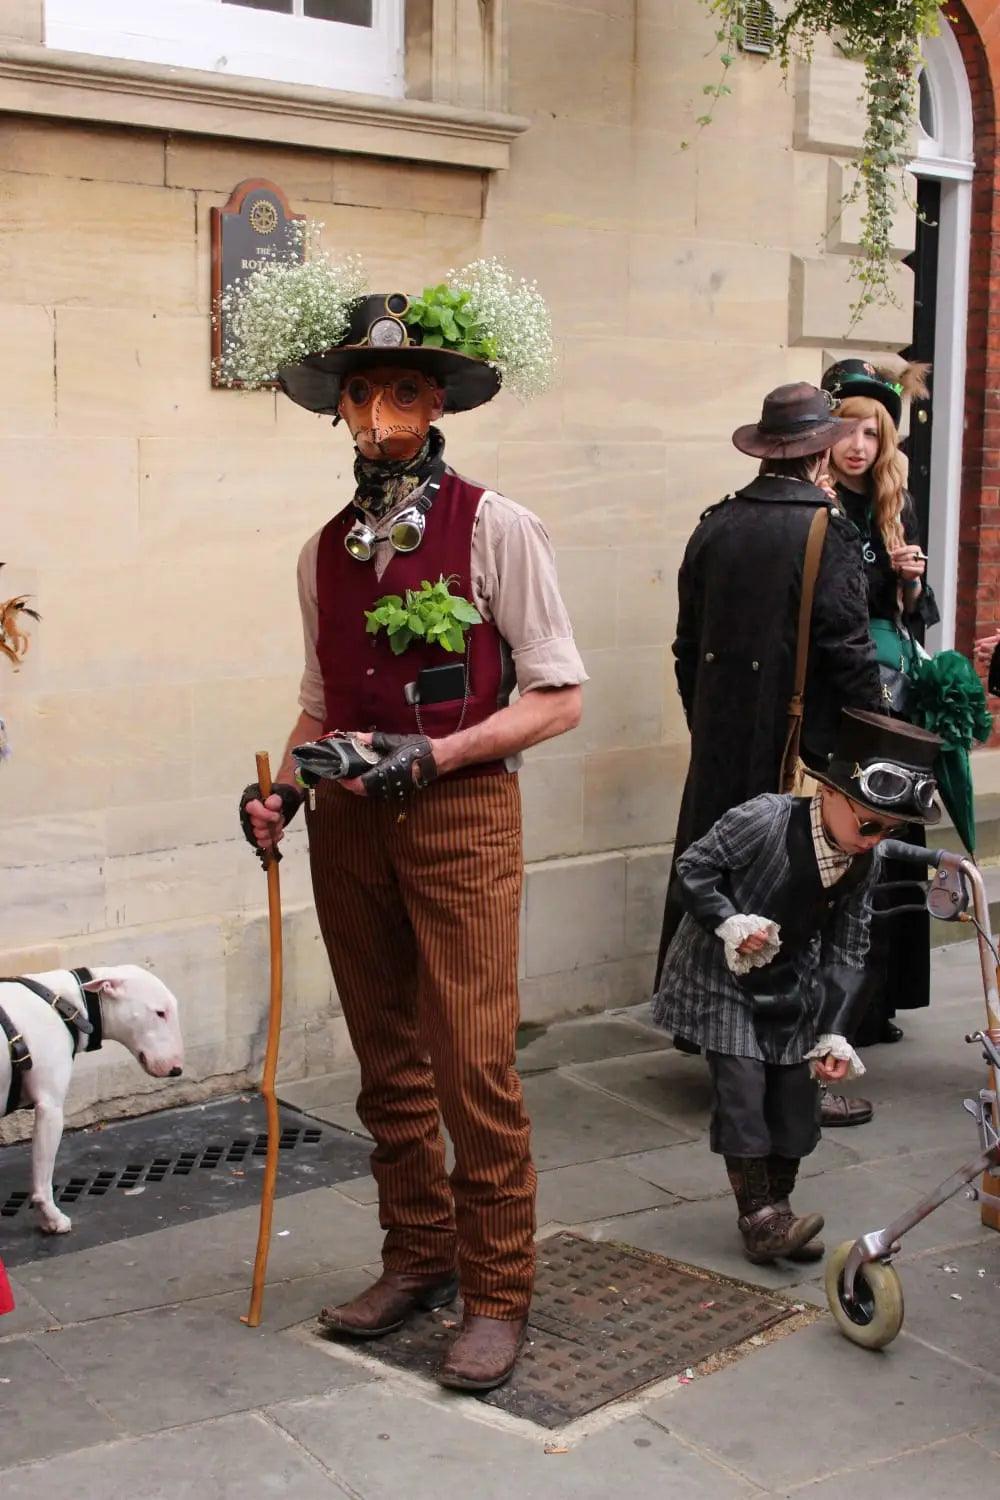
(134, 1176)
(605, 1321)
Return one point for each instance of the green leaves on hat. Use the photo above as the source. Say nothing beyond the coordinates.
(448, 320)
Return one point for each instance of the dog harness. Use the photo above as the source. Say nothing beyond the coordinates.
(78, 1024)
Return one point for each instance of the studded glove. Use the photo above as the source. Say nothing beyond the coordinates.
(291, 801)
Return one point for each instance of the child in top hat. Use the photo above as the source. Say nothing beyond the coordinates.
(765, 971)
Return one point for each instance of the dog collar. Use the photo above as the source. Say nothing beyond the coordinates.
(95, 1020)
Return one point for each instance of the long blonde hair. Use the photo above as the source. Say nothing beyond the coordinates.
(887, 475)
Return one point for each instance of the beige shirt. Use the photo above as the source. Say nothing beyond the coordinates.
(514, 584)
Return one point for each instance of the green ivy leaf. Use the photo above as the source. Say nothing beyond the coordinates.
(433, 341)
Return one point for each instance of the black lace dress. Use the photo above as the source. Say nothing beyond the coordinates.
(899, 960)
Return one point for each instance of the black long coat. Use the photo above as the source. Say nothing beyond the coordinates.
(739, 590)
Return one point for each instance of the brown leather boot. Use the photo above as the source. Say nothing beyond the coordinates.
(813, 1249)
(783, 1172)
(768, 1234)
(385, 1305)
(484, 1354)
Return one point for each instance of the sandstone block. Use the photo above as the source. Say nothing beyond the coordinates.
(575, 913)
(552, 797)
(62, 148)
(27, 382)
(829, 114)
(370, 182)
(96, 244)
(166, 389)
(593, 988)
(845, 219)
(647, 872)
(631, 797)
(822, 292)
(48, 480)
(623, 708)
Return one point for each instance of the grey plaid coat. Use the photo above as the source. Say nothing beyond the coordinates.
(698, 996)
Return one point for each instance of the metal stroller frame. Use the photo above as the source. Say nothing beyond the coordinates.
(862, 1286)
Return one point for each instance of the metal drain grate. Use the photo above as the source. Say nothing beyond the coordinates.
(606, 1320)
(139, 1175)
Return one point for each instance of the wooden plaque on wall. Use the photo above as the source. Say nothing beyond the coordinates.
(254, 227)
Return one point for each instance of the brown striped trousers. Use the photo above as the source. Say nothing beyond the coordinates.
(420, 921)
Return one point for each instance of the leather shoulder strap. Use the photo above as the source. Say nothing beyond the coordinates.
(810, 572)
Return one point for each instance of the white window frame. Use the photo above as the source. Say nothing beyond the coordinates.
(948, 155)
(238, 40)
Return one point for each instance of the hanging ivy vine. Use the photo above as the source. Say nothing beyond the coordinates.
(885, 35)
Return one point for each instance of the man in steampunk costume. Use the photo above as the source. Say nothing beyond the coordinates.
(416, 850)
(767, 970)
(739, 589)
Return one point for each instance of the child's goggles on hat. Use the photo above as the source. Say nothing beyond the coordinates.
(887, 785)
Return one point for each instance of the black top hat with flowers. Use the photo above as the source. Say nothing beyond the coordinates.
(857, 377)
(796, 421)
(884, 765)
(307, 323)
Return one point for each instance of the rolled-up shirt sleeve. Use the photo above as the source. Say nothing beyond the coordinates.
(516, 580)
(311, 696)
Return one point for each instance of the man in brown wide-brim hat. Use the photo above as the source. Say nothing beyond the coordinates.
(739, 588)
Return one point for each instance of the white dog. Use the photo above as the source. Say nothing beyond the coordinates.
(122, 1004)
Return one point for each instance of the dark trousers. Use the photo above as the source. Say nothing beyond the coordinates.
(762, 1109)
(420, 921)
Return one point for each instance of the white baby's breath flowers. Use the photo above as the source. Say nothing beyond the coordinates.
(515, 318)
(285, 310)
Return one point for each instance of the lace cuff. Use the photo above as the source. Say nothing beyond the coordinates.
(840, 1048)
(732, 932)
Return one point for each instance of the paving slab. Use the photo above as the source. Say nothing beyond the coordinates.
(691, 1171)
(314, 1232)
(339, 1087)
(660, 1082)
(572, 1123)
(233, 1458)
(919, 1396)
(43, 1411)
(289, 1304)
(593, 1190)
(176, 1365)
(345, 1116)
(28, 1316)
(852, 1200)
(958, 1310)
(586, 1041)
(383, 1444)
(959, 1467)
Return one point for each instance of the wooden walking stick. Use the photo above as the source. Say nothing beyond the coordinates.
(270, 1065)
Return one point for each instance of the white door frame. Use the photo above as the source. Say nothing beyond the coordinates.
(947, 155)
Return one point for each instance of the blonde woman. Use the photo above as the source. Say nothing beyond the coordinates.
(868, 474)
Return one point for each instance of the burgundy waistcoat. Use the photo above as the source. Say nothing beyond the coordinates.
(363, 681)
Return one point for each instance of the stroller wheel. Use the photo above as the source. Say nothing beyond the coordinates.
(875, 1316)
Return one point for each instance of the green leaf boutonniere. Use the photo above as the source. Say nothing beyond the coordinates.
(431, 613)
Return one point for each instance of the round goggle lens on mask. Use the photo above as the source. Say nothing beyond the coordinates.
(404, 390)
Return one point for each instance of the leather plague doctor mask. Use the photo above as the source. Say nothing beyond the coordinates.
(389, 411)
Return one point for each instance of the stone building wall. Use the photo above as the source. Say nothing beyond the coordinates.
(157, 521)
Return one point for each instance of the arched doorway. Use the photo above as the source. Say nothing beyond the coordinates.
(943, 167)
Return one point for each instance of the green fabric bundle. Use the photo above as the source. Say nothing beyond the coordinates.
(949, 701)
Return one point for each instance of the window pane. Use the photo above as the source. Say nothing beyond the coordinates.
(926, 96)
(348, 12)
(284, 6)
